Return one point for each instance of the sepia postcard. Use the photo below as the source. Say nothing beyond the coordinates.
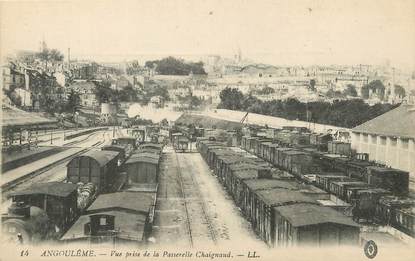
(207, 130)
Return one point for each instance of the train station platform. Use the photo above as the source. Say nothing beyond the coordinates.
(20, 172)
(15, 159)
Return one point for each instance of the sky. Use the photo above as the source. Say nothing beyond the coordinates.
(276, 32)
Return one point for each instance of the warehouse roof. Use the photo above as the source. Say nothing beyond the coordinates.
(311, 214)
(399, 122)
(134, 201)
(129, 226)
(279, 197)
(58, 189)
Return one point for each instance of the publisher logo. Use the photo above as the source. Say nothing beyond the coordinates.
(371, 249)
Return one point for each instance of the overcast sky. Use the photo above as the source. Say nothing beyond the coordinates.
(277, 32)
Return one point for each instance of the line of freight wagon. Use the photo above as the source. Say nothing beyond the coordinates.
(108, 196)
(282, 211)
(376, 192)
(343, 180)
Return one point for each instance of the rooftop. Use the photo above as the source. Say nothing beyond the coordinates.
(399, 122)
(101, 157)
(133, 201)
(130, 226)
(57, 189)
(262, 184)
(310, 214)
(15, 117)
(279, 197)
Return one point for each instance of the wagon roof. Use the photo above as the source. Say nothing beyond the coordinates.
(148, 149)
(352, 183)
(311, 214)
(259, 184)
(58, 189)
(151, 145)
(330, 174)
(114, 147)
(280, 196)
(144, 157)
(128, 225)
(384, 169)
(126, 138)
(134, 201)
(274, 145)
(294, 152)
(101, 157)
(246, 174)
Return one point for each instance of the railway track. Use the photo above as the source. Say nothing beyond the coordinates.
(5, 188)
(202, 204)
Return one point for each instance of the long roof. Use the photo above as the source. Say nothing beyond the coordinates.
(128, 226)
(310, 214)
(260, 184)
(102, 157)
(58, 189)
(278, 197)
(133, 201)
(15, 117)
(399, 122)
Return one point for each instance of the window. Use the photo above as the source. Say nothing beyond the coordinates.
(102, 221)
(393, 141)
(12, 230)
(383, 140)
(365, 138)
(373, 139)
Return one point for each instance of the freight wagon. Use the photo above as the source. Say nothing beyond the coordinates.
(143, 168)
(312, 225)
(394, 180)
(97, 167)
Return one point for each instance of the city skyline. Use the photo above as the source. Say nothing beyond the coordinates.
(272, 32)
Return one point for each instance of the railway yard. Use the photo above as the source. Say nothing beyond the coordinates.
(149, 186)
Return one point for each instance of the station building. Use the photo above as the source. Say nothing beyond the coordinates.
(389, 138)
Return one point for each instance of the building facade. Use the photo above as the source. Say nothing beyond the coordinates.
(389, 139)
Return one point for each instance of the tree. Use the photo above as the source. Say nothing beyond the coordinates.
(173, 66)
(231, 98)
(400, 91)
(47, 55)
(350, 90)
(73, 101)
(312, 84)
(103, 92)
(376, 87)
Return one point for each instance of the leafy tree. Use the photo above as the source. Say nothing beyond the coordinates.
(173, 66)
(350, 90)
(266, 90)
(375, 86)
(400, 91)
(312, 84)
(73, 101)
(48, 55)
(103, 92)
(231, 98)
